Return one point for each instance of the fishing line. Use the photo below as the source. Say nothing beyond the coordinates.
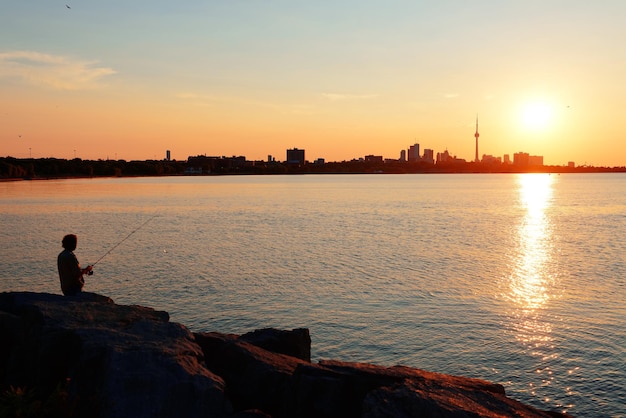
(127, 236)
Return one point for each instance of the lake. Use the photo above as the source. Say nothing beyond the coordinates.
(519, 279)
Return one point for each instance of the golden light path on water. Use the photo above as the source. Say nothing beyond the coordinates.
(529, 284)
(532, 281)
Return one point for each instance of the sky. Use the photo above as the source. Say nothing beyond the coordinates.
(340, 79)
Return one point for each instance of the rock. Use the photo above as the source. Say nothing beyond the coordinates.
(284, 386)
(85, 356)
(412, 399)
(295, 343)
(113, 360)
(255, 378)
(340, 389)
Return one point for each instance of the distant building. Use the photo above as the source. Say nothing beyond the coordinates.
(414, 152)
(571, 164)
(521, 158)
(295, 156)
(168, 155)
(507, 159)
(490, 159)
(524, 159)
(373, 158)
(446, 158)
(442, 157)
(403, 155)
(429, 156)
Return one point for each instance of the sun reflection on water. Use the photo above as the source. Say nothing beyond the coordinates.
(532, 282)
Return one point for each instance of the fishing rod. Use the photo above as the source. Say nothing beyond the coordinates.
(118, 244)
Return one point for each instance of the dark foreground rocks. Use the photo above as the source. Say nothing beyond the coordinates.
(85, 356)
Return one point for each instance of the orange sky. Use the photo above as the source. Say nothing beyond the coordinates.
(339, 79)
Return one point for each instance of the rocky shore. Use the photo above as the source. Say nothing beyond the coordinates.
(86, 356)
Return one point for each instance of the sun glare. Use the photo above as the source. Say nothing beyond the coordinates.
(537, 116)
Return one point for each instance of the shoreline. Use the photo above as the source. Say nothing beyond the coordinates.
(356, 173)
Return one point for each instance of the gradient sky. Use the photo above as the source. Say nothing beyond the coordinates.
(341, 79)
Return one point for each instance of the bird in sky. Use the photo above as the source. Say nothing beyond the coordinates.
(68, 6)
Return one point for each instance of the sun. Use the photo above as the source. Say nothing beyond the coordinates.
(537, 116)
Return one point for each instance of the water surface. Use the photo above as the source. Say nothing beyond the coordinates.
(517, 279)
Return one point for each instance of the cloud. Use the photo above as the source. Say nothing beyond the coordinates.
(53, 71)
(341, 96)
(451, 95)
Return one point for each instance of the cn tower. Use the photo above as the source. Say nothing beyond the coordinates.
(476, 135)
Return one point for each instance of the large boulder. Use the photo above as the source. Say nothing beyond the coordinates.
(255, 378)
(441, 399)
(108, 360)
(284, 386)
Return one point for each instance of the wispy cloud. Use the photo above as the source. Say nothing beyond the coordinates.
(343, 96)
(451, 95)
(53, 71)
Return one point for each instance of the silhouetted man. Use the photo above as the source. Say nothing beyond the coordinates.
(70, 272)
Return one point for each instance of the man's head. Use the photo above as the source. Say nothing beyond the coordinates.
(69, 242)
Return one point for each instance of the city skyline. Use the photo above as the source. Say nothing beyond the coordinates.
(112, 80)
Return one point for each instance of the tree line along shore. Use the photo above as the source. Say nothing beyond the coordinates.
(48, 168)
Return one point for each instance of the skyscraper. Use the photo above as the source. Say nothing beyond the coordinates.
(414, 152)
(429, 156)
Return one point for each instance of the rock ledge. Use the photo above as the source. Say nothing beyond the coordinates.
(86, 356)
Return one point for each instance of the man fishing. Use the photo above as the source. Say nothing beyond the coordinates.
(70, 272)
